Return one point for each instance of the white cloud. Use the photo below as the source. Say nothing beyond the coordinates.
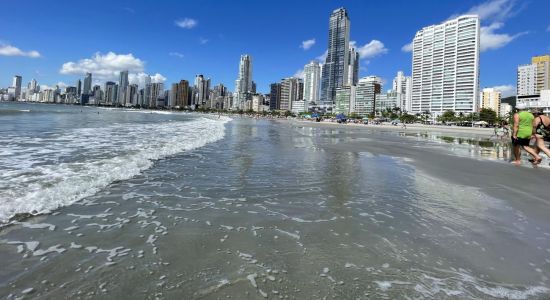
(203, 41)
(323, 57)
(372, 49)
(104, 66)
(490, 40)
(176, 54)
(494, 10)
(407, 48)
(307, 44)
(9, 50)
(299, 73)
(506, 90)
(140, 78)
(186, 23)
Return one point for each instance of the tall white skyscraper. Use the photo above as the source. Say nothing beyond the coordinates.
(335, 69)
(445, 67)
(312, 80)
(402, 86)
(202, 90)
(243, 84)
(17, 86)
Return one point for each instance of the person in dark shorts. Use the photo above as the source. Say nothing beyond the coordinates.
(541, 131)
(522, 134)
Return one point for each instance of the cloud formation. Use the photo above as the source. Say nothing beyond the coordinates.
(372, 49)
(323, 57)
(494, 10)
(176, 54)
(203, 41)
(104, 66)
(307, 44)
(186, 23)
(506, 90)
(141, 78)
(9, 50)
(407, 48)
(490, 40)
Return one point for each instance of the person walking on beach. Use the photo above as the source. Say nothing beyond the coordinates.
(541, 131)
(522, 133)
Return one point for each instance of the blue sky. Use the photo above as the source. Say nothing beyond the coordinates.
(57, 41)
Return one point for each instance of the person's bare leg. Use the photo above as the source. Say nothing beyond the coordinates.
(533, 153)
(542, 146)
(517, 155)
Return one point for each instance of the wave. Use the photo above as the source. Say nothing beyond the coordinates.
(42, 174)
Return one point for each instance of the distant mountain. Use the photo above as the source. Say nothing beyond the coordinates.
(510, 100)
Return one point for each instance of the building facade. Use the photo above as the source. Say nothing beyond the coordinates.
(365, 95)
(445, 67)
(243, 84)
(490, 98)
(312, 80)
(335, 69)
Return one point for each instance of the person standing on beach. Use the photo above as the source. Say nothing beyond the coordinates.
(522, 133)
(541, 131)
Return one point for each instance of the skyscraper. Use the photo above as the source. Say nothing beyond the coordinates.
(402, 86)
(291, 90)
(543, 72)
(243, 84)
(312, 79)
(87, 84)
(122, 84)
(78, 87)
(202, 90)
(17, 86)
(365, 95)
(335, 69)
(533, 78)
(179, 94)
(445, 67)
(353, 67)
(491, 99)
(275, 96)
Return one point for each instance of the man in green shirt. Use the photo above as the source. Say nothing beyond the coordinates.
(522, 134)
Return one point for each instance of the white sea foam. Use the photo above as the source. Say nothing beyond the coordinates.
(44, 173)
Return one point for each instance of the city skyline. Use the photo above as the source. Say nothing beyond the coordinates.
(198, 49)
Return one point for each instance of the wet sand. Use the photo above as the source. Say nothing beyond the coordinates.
(299, 211)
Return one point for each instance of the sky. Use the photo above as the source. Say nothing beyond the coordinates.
(56, 42)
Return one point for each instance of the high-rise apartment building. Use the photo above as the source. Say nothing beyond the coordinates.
(179, 94)
(291, 90)
(345, 100)
(312, 80)
(78, 88)
(111, 90)
(335, 69)
(445, 67)
(490, 98)
(275, 96)
(402, 85)
(202, 90)
(243, 84)
(365, 95)
(543, 72)
(353, 67)
(87, 84)
(17, 86)
(122, 84)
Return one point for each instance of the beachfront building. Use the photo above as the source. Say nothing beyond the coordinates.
(292, 89)
(490, 98)
(275, 96)
(403, 85)
(17, 87)
(387, 101)
(365, 95)
(353, 67)
(345, 100)
(122, 85)
(445, 67)
(335, 69)
(87, 84)
(299, 106)
(505, 110)
(532, 79)
(258, 102)
(243, 85)
(312, 80)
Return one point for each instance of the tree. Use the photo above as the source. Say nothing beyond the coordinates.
(488, 115)
(406, 118)
(447, 116)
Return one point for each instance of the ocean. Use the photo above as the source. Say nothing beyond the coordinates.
(125, 204)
